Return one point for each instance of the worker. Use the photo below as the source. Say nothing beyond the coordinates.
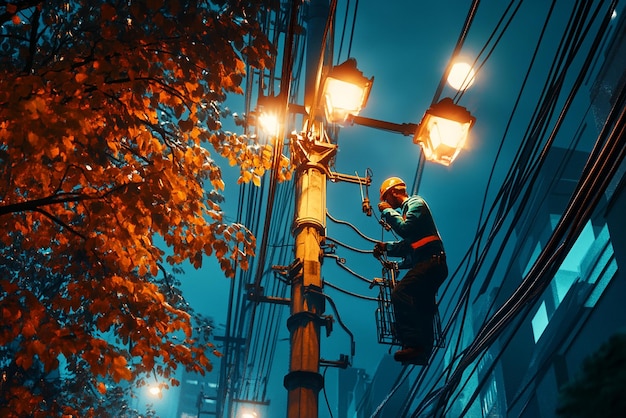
(422, 253)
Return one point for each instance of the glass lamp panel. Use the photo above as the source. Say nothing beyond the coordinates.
(442, 139)
(342, 99)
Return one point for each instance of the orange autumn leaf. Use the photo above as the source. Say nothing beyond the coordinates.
(109, 153)
(102, 388)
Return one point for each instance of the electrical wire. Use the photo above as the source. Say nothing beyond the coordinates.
(330, 411)
(541, 272)
(509, 198)
(471, 273)
(340, 263)
(349, 247)
(346, 292)
(343, 31)
(265, 337)
(285, 91)
(356, 9)
(355, 229)
(238, 317)
(400, 379)
(532, 181)
(507, 210)
(339, 321)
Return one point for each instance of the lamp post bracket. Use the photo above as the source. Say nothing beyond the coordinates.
(335, 177)
(406, 129)
(313, 152)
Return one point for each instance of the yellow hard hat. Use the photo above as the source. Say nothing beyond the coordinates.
(390, 183)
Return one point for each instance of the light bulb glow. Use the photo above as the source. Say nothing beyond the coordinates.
(342, 99)
(461, 76)
(155, 390)
(269, 123)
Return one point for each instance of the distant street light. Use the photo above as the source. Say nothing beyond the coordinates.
(461, 76)
(156, 390)
(248, 414)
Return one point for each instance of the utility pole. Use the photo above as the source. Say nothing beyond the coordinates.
(304, 381)
(311, 157)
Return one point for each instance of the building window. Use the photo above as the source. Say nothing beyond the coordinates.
(540, 321)
(582, 252)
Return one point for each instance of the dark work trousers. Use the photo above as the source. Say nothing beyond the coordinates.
(414, 303)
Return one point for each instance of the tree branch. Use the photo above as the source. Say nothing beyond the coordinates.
(34, 204)
(32, 49)
(60, 222)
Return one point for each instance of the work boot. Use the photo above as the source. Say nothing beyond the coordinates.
(412, 355)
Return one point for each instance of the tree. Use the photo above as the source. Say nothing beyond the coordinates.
(599, 389)
(107, 111)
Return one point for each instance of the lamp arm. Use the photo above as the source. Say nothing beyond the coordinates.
(406, 129)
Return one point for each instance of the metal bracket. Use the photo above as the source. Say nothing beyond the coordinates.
(312, 152)
(255, 294)
(302, 317)
(335, 177)
(328, 323)
(295, 268)
(342, 363)
(328, 248)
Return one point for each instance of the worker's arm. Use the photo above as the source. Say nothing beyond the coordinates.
(408, 226)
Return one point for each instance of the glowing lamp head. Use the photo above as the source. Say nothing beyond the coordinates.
(268, 122)
(269, 115)
(345, 92)
(444, 131)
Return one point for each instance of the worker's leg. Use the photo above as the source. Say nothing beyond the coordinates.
(414, 304)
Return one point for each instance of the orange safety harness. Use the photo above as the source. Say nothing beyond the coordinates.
(421, 242)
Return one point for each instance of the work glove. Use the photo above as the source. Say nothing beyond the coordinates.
(379, 249)
(383, 205)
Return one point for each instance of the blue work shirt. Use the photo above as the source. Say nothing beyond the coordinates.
(415, 225)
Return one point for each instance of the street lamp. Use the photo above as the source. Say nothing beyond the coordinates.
(441, 134)
(345, 91)
(249, 414)
(443, 131)
(156, 390)
(268, 115)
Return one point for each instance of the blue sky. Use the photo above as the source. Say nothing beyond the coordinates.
(406, 46)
